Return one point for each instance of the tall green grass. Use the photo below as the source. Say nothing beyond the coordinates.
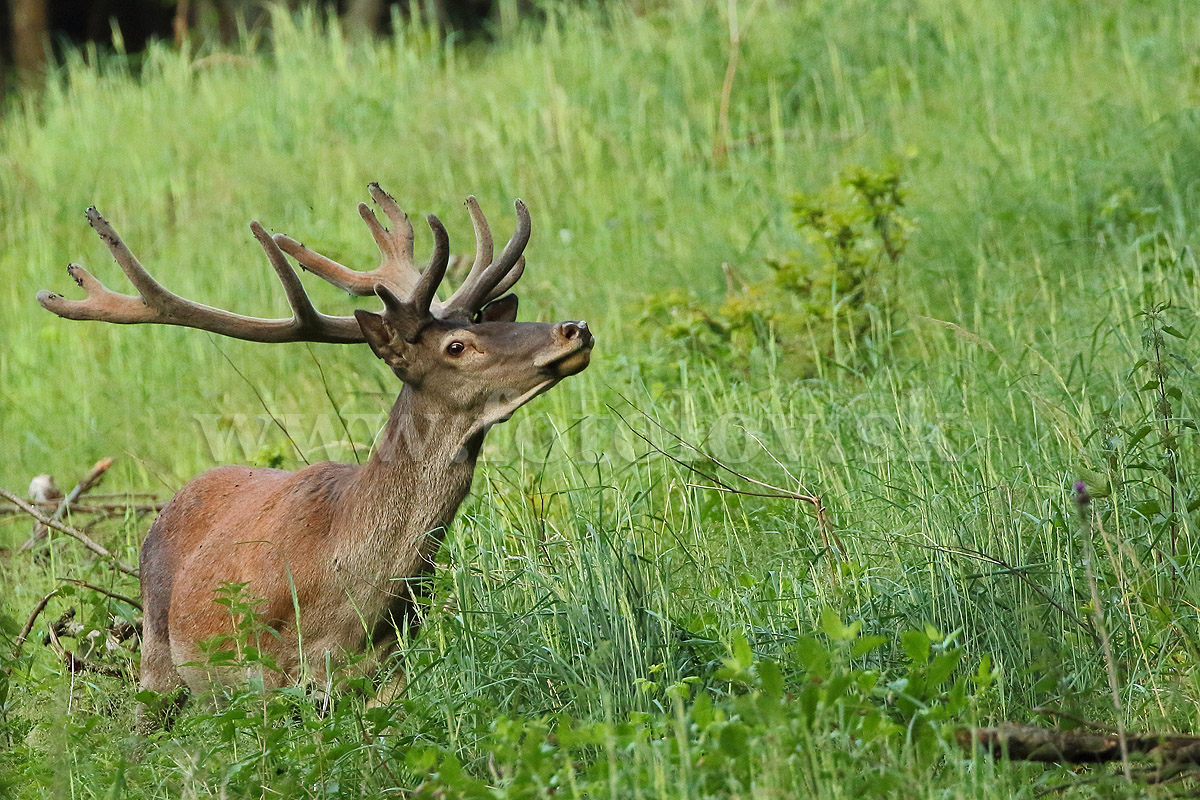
(1051, 159)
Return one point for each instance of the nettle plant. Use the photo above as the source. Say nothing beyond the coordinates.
(1141, 438)
(728, 734)
(817, 302)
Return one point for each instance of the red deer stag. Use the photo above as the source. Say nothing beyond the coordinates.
(331, 549)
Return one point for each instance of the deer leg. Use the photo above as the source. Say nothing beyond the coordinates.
(158, 674)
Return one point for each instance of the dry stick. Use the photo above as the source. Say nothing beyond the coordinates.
(94, 476)
(1050, 745)
(25, 631)
(827, 532)
(115, 596)
(100, 509)
(179, 25)
(110, 498)
(74, 533)
(721, 144)
(720, 151)
(1020, 573)
(1084, 503)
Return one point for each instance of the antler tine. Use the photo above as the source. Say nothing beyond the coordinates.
(426, 288)
(402, 230)
(507, 282)
(99, 303)
(483, 250)
(155, 304)
(305, 315)
(396, 270)
(483, 240)
(471, 296)
(150, 290)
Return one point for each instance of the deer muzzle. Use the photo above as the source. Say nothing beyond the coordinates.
(572, 349)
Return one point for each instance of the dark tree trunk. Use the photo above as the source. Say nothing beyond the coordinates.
(363, 17)
(29, 37)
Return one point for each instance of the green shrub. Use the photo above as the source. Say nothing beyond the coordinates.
(816, 303)
(819, 714)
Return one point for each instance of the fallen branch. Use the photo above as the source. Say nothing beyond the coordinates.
(123, 598)
(60, 626)
(1051, 745)
(828, 534)
(77, 664)
(94, 476)
(104, 508)
(74, 533)
(113, 497)
(33, 615)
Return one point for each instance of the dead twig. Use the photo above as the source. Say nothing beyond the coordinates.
(828, 535)
(113, 497)
(1053, 746)
(102, 509)
(33, 615)
(720, 151)
(94, 476)
(74, 533)
(123, 598)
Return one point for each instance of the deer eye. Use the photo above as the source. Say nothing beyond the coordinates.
(455, 349)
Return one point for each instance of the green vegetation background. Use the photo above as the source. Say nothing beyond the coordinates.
(1050, 155)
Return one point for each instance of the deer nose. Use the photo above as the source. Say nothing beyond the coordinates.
(574, 330)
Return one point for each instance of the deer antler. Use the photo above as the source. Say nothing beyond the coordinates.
(486, 281)
(155, 304)
(396, 270)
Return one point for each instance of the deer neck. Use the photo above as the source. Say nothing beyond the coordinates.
(401, 501)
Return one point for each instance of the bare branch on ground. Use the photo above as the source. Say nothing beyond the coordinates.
(89, 481)
(74, 533)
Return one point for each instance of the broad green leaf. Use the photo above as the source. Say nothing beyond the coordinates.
(743, 657)
(734, 740)
(866, 644)
(941, 667)
(771, 677)
(916, 646)
(835, 629)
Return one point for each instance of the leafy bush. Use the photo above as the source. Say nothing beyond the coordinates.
(816, 303)
(760, 725)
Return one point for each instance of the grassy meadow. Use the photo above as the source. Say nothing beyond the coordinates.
(601, 625)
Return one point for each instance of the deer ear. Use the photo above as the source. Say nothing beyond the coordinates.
(503, 309)
(384, 342)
